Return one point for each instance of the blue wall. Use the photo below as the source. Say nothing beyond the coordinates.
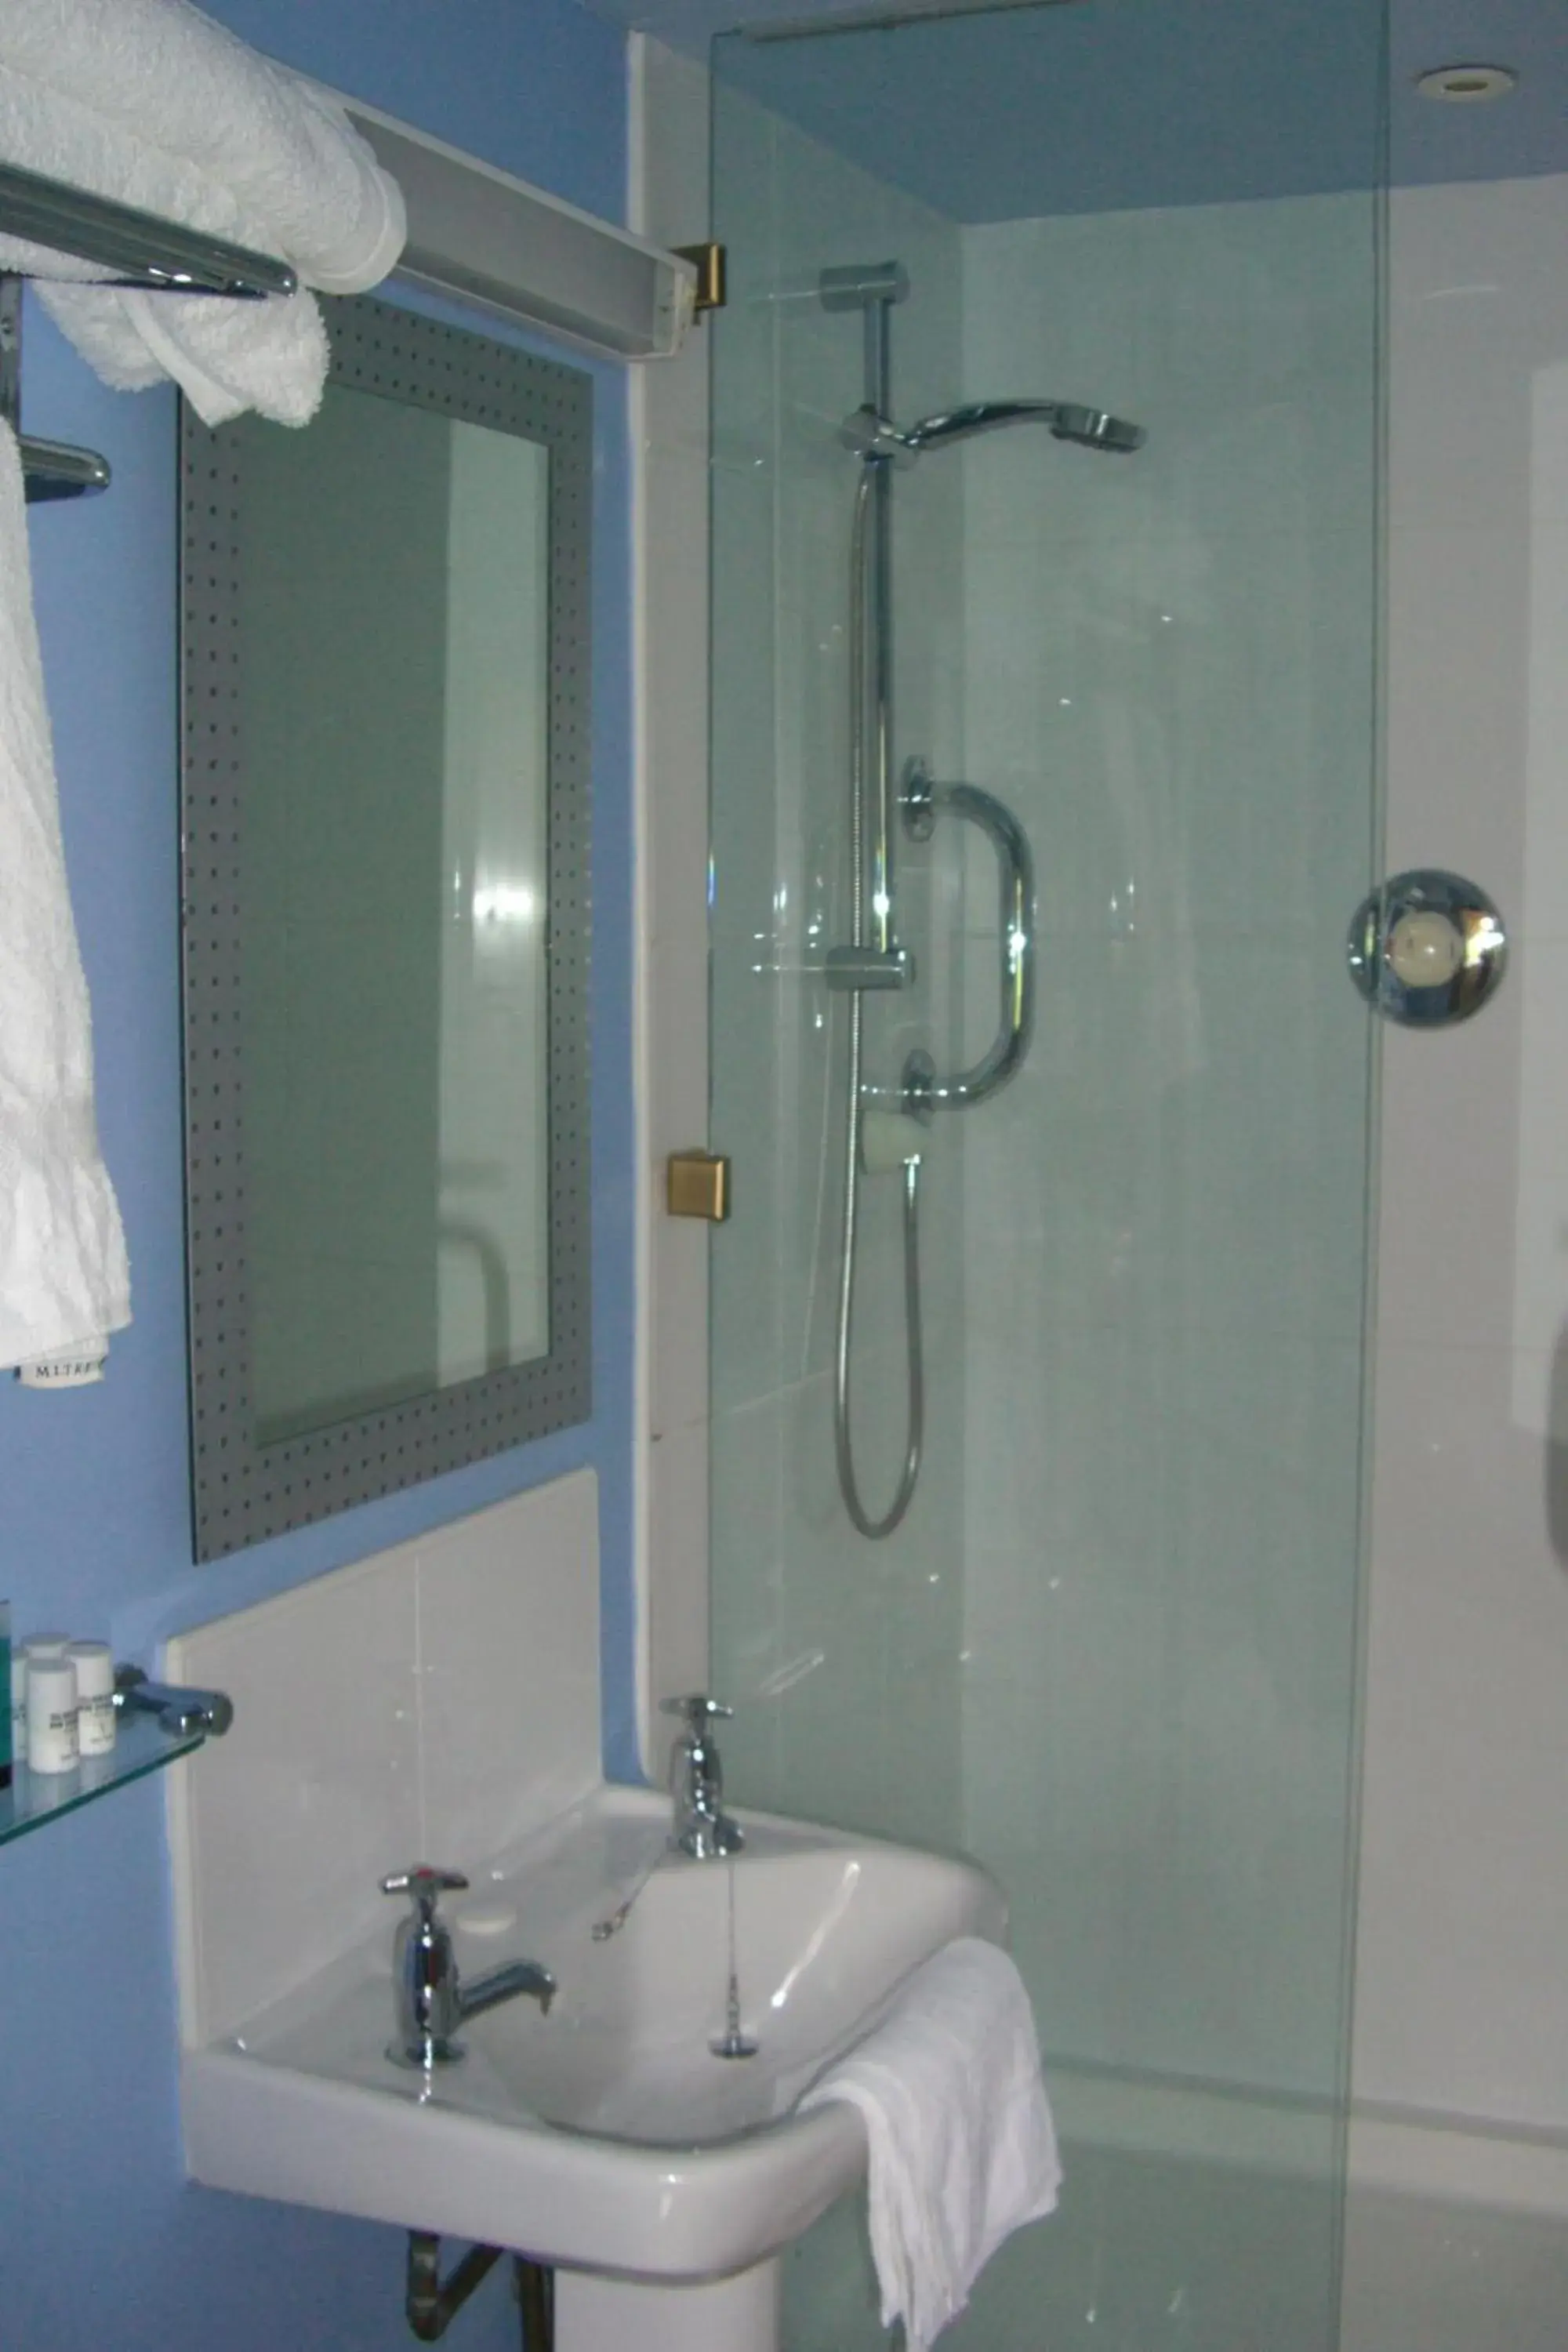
(101, 2239)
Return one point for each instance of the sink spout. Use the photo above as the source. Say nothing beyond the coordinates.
(505, 1984)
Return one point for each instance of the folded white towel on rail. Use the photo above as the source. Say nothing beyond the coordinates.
(63, 1278)
(962, 2151)
(150, 104)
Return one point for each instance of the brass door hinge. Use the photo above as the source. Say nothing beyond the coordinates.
(711, 262)
(698, 1185)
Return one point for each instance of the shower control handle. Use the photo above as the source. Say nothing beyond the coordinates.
(1426, 947)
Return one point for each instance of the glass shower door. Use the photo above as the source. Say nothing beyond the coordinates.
(1110, 1648)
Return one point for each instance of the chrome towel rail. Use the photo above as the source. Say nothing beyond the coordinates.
(139, 250)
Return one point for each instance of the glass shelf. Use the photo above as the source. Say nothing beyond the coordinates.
(143, 1746)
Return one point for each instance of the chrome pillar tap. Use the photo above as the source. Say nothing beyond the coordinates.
(702, 1829)
(431, 1999)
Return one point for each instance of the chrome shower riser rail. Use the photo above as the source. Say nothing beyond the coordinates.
(876, 962)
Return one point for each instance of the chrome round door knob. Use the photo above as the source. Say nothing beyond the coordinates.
(1427, 948)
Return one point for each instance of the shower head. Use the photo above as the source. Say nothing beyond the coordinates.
(1067, 420)
(871, 435)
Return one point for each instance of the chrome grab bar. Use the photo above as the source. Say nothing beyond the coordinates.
(920, 798)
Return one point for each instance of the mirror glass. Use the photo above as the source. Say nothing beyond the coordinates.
(385, 671)
(392, 605)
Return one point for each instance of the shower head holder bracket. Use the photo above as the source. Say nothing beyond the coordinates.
(916, 800)
(917, 1088)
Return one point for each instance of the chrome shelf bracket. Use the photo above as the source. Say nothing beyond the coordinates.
(180, 1711)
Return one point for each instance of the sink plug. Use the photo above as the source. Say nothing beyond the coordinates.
(431, 1999)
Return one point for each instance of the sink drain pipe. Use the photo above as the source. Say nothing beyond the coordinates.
(533, 2283)
(432, 2303)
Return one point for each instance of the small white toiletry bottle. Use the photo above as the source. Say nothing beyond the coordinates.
(45, 1645)
(35, 1645)
(96, 1714)
(51, 1716)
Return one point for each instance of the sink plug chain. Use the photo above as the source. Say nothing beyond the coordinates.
(732, 2042)
(603, 1929)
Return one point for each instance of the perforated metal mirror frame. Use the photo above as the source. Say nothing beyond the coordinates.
(242, 1492)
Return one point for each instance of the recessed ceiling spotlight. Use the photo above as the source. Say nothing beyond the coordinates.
(1467, 85)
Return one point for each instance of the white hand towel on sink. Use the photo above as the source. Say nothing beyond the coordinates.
(150, 102)
(63, 1281)
(962, 2147)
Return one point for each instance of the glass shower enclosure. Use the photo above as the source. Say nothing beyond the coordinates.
(1044, 622)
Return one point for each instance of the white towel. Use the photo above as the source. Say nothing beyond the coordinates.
(963, 2152)
(150, 102)
(63, 1279)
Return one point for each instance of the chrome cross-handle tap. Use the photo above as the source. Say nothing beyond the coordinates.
(429, 1997)
(702, 1828)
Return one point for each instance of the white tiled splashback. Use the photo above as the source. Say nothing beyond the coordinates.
(430, 1704)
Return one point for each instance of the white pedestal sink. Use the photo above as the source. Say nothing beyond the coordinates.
(606, 2138)
(439, 1702)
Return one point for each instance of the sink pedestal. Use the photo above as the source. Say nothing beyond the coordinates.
(611, 2315)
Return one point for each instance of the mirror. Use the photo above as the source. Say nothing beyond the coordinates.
(385, 686)
(393, 697)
